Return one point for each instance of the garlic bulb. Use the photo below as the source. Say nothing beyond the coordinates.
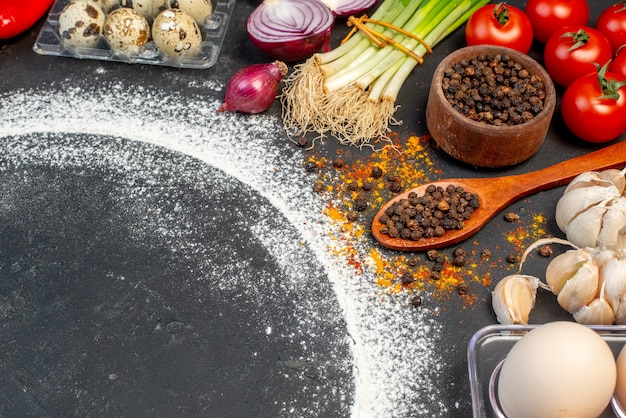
(589, 283)
(592, 210)
(514, 297)
(573, 277)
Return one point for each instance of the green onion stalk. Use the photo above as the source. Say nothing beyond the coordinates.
(350, 92)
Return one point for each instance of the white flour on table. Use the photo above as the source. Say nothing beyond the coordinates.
(396, 367)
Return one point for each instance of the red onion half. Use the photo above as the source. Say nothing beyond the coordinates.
(290, 30)
(253, 89)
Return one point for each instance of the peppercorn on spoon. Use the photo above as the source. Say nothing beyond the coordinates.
(496, 193)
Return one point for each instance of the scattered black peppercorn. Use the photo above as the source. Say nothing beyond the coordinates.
(302, 142)
(395, 186)
(462, 288)
(310, 166)
(511, 258)
(545, 250)
(459, 252)
(407, 278)
(367, 186)
(511, 217)
(432, 255)
(360, 204)
(459, 261)
(353, 186)
(338, 163)
(415, 301)
(485, 254)
(352, 216)
(377, 172)
(318, 186)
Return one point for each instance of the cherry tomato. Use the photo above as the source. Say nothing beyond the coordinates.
(546, 16)
(594, 106)
(501, 25)
(618, 65)
(612, 23)
(573, 51)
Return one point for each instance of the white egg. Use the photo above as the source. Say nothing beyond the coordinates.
(559, 369)
(126, 30)
(200, 10)
(80, 24)
(176, 33)
(148, 8)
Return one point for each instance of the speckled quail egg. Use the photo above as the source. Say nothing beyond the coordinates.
(200, 10)
(126, 30)
(80, 24)
(176, 33)
(148, 8)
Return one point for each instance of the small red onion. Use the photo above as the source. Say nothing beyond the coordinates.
(253, 89)
(290, 30)
(349, 7)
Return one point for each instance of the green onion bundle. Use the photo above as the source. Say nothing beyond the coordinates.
(350, 92)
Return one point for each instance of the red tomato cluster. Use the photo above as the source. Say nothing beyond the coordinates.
(589, 62)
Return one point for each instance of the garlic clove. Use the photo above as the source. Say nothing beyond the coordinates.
(597, 312)
(601, 256)
(579, 200)
(514, 297)
(565, 266)
(615, 176)
(573, 276)
(613, 275)
(584, 229)
(613, 230)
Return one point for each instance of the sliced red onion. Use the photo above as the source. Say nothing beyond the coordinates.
(349, 7)
(253, 89)
(290, 30)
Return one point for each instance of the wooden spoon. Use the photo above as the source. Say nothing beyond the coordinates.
(496, 193)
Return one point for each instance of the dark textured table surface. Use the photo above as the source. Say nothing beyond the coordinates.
(144, 272)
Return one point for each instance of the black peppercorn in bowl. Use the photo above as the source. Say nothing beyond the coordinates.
(490, 106)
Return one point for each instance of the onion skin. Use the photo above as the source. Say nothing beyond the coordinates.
(349, 7)
(253, 89)
(290, 30)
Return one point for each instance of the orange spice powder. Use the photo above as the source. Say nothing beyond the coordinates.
(408, 163)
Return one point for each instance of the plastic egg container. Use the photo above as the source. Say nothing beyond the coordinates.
(489, 347)
(137, 31)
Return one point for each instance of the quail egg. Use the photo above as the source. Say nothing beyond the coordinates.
(80, 24)
(148, 8)
(126, 30)
(200, 10)
(176, 33)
